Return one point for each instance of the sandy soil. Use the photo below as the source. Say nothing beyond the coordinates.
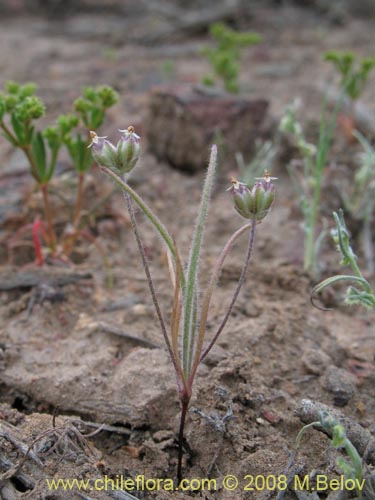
(71, 360)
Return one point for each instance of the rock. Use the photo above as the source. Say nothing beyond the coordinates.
(364, 8)
(183, 124)
(216, 355)
(341, 384)
(309, 411)
(339, 9)
(83, 373)
(162, 435)
(251, 310)
(315, 361)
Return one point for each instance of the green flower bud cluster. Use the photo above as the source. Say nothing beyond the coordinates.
(19, 108)
(354, 72)
(121, 158)
(30, 108)
(61, 132)
(93, 104)
(23, 107)
(253, 203)
(66, 123)
(22, 91)
(21, 101)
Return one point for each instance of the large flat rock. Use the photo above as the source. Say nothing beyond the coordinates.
(183, 124)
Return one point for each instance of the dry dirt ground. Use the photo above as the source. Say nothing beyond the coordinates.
(70, 361)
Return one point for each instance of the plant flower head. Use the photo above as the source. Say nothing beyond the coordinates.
(121, 158)
(254, 203)
(103, 151)
(128, 148)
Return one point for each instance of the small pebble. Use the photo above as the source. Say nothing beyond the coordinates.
(315, 361)
(341, 384)
(261, 421)
(162, 435)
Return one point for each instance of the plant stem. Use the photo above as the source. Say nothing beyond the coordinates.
(38, 248)
(355, 458)
(236, 291)
(309, 246)
(9, 134)
(310, 259)
(184, 408)
(368, 250)
(175, 361)
(26, 150)
(68, 245)
(325, 138)
(43, 187)
(208, 295)
(148, 213)
(48, 215)
(78, 204)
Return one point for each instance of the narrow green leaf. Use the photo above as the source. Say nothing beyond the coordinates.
(190, 292)
(52, 163)
(18, 128)
(335, 279)
(39, 155)
(81, 152)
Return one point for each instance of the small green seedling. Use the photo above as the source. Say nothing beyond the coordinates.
(353, 468)
(225, 56)
(354, 78)
(307, 178)
(362, 293)
(185, 335)
(20, 109)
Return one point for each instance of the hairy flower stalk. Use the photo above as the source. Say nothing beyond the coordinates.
(185, 343)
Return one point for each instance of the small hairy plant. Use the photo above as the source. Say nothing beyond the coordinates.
(351, 469)
(20, 108)
(307, 178)
(185, 335)
(362, 293)
(225, 56)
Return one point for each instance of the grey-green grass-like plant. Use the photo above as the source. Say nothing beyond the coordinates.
(362, 293)
(359, 200)
(353, 468)
(307, 179)
(185, 335)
